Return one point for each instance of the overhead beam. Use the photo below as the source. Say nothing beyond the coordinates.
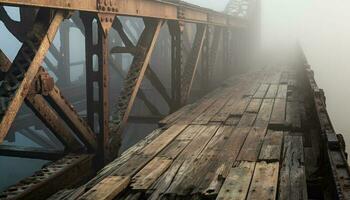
(140, 8)
(30, 152)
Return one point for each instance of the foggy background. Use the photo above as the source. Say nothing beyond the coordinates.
(320, 26)
(323, 29)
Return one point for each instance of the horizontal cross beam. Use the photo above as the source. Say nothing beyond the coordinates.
(140, 8)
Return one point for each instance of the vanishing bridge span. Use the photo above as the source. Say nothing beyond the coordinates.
(182, 75)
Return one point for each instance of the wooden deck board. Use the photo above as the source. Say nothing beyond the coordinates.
(222, 146)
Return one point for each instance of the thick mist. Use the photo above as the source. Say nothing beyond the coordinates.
(323, 30)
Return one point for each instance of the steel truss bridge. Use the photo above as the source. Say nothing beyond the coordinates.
(149, 62)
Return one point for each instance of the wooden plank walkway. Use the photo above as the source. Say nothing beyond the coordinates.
(238, 142)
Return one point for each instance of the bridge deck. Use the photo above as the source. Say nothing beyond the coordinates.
(242, 140)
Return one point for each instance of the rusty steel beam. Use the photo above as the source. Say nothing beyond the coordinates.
(150, 74)
(97, 81)
(67, 172)
(53, 122)
(139, 8)
(153, 109)
(43, 111)
(190, 67)
(136, 74)
(176, 63)
(40, 39)
(66, 111)
(30, 152)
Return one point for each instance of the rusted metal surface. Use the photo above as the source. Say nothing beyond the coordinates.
(135, 76)
(192, 61)
(30, 152)
(25, 67)
(66, 172)
(140, 8)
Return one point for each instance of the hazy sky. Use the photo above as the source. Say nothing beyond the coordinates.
(323, 29)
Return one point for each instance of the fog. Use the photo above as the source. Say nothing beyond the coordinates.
(323, 30)
(320, 26)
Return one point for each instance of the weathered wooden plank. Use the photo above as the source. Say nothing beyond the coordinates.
(232, 120)
(196, 111)
(272, 92)
(188, 156)
(165, 181)
(293, 116)
(292, 184)
(260, 93)
(247, 120)
(163, 140)
(144, 155)
(150, 173)
(264, 183)
(241, 106)
(107, 189)
(205, 117)
(272, 146)
(176, 115)
(252, 145)
(254, 106)
(278, 116)
(282, 91)
(190, 132)
(237, 182)
(264, 114)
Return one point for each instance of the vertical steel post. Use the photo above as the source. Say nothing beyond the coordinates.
(63, 67)
(176, 64)
(97, 82)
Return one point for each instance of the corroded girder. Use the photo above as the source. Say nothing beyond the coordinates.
(66, 172)
(18, 80)
(140, 8)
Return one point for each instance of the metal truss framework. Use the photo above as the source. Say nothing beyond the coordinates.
(95, 139)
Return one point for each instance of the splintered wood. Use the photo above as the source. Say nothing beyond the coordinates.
(237, 142)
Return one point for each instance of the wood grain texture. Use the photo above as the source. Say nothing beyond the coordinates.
(237, 183)
(107, 189)
(292, 176)
(264, 183)
(272, 146)
(150, 173)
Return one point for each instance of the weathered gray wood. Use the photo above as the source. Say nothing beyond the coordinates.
(254, 106)
(293, 116)
(282, 91)
(237, 183)
(252, 145)
(265, 180)
(278, 116)
(271, 93)
(150, 173)
(272, 146)
(241, 106)
(292, 180)
(264, 114)
(260, 93)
